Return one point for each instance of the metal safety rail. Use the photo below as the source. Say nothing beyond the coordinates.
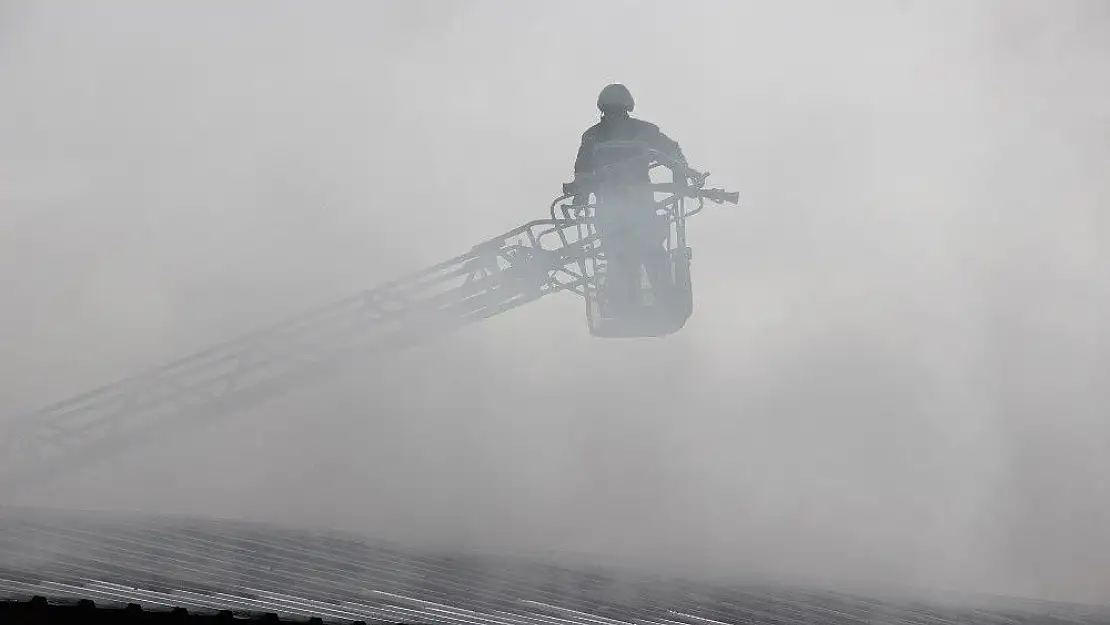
(520, 266)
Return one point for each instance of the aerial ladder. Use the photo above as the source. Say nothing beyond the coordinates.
(562, 253)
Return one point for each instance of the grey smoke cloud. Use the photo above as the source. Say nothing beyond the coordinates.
(895, 369)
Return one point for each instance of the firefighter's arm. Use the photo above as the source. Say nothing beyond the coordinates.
(583, 166)
(669, 146)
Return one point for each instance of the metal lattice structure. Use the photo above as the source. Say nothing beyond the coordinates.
(521, 266)
(559, 254)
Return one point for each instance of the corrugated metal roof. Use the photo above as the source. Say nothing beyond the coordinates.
(209, 566)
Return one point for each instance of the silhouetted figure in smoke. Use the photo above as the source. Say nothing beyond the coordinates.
(616, 104)
(617, 172)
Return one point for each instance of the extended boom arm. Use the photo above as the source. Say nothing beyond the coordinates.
(518, 267)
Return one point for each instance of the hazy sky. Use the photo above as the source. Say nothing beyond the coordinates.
(897, 366)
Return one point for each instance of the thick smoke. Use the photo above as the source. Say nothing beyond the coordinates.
(896, 367)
